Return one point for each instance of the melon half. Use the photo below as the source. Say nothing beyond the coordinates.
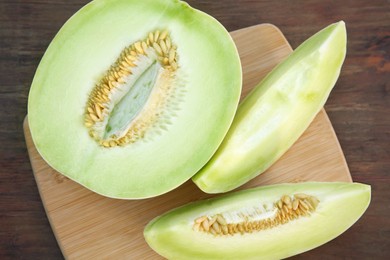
(133, 97)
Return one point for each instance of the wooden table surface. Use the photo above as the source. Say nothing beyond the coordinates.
(358, 109)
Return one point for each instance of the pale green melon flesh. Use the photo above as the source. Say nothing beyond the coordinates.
(85, 48)
(341, 205)
(276, 113)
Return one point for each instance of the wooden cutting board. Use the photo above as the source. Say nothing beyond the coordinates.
(90, 226)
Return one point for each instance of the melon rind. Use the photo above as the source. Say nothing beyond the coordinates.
(341, 205)
(80, 54)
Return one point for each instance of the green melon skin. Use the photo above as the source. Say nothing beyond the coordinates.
(276, 113)
(341, 205)
(85, 48)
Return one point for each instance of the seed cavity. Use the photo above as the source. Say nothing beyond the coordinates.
(259, 218)
(135, 93)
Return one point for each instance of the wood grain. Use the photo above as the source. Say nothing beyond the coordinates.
(358, 108)
(90, 226)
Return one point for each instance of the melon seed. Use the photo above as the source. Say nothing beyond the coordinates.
(155, 49)
(285, 209)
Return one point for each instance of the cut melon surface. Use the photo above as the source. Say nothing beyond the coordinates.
(173, 127)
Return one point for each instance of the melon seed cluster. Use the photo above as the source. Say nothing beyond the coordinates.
(287, 209)
(98, 106)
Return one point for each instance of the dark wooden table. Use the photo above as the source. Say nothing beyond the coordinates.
(358, 108)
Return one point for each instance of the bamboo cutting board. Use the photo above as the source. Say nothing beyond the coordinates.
(90, 226)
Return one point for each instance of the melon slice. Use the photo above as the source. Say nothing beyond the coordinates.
(270, 222)
(277, 112)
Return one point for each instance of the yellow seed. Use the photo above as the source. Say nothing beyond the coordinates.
(130, 63)
(90, 110)
(88, 119)
(171, 55)
(166, 61)
(225, 230)
(230, 229)
(240, 228)
(301, 202)
(133, 53)
(295, 204)
(314, 201)
(94, 118)
(254, 225)
(121, 72)
(205, 225)
(286, 210)
(156, 35)
(126, 72)
(163, 35)
(157, 48)
(196, 226)
(111, 85)
(283, 213)
(216, 227)
(286, 199)
(96, 99)
(163, 46)
(111, 78)
(98, 111)
(302, 209)
(105, 97)
(246, 226)
(105, 86)
(221, 220)
(106, 91)
(151, 38)
(138, 47)
(212, 231)
(168, 43)
(280, 204)
(212, 220)
(116, 75)
(124, 64)
(309, 205)
(144, 46)
(131, 58)
(201, 228)
(235, 227)
(106, 144)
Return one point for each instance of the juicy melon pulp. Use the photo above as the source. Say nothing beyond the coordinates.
(77, 110)
(265, 233)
